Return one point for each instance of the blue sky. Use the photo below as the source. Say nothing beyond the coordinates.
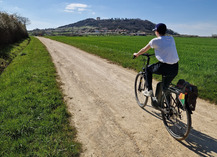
(195, 17)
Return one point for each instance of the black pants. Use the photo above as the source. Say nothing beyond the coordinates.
(168, 70)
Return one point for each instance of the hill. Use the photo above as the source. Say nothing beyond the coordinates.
(114, 25)
(106, 26)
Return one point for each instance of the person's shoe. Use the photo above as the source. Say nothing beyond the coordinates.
(148, 93)
(154, 102)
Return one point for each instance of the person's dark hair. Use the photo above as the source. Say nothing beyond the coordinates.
(161, 28)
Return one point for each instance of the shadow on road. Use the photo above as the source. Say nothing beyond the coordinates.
(154, 113)
(198, 142)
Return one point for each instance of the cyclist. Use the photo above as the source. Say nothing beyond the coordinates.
(166, 54)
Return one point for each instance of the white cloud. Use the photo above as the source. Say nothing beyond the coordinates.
(76, 7)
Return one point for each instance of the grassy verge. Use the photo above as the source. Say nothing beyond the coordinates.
(33, 116)
(197, 57)
(9, 52)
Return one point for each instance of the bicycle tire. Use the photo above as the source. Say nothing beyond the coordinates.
(139, 88)
(178, 120)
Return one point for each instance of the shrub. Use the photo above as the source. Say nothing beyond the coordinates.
(11, 29)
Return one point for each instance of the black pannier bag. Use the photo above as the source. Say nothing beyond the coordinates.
(191, 93)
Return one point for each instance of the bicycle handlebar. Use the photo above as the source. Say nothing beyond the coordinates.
(148, 55)
(145, 54)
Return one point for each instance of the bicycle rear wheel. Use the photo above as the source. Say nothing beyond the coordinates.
(139, 89)
(178, 120)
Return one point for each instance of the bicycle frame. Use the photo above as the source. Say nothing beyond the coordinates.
(159, 92)
(146, 64)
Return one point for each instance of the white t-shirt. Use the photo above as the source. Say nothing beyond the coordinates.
(165, 49)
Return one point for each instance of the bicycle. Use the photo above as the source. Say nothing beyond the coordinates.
(175, 114)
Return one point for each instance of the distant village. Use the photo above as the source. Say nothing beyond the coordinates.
(85, 31)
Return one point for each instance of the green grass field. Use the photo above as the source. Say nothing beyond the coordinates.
(197, 57)
(33, 116)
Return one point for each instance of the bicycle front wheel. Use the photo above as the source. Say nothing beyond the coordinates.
(177, 120)
(139, 90)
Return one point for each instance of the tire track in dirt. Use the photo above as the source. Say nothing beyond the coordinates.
(100, 96)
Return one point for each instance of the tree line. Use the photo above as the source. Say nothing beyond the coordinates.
(12, 28)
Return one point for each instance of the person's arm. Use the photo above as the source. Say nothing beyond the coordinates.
(143, 50)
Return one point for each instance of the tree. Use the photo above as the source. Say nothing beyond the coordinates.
(12, 29)
(214, 35)
(23, 20)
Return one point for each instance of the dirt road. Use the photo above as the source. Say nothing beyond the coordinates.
(100, 96)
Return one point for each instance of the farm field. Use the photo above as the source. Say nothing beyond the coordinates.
(33, 115)
(197, 63)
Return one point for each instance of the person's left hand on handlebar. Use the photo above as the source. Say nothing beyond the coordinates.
(135, 55)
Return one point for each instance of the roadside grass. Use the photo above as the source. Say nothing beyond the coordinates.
(9, 52)
(13, 49)
(197, 57)
(33, 117)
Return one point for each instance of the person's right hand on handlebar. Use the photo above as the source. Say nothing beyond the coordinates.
(142, 51)
(135, 55)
